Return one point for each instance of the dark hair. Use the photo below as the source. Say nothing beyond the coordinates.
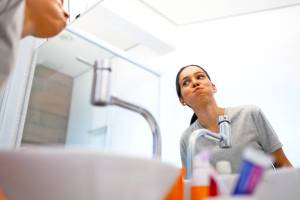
(193, 119)
(178, 90)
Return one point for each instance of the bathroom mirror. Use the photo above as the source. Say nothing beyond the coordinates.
(59, 111)
(252, 58)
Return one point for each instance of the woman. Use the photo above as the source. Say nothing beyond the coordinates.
(248, 124)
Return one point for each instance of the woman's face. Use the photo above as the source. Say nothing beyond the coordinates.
(196, 88)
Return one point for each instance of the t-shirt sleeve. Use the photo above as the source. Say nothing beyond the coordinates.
(11, 21)
(266, 134)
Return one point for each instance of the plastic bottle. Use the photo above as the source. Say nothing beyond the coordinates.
(199, 188)
(225, 179)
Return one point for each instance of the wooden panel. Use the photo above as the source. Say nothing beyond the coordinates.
(51, 91)
(48, 109)
(36, 133)
(50, 97)
(52, 75)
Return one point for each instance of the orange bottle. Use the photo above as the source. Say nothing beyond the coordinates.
(176, 192)
(199, 188)
(2, 196)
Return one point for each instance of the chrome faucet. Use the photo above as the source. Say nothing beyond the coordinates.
(101, 96)
(223, 138)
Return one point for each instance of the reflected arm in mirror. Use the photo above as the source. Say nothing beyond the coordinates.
(280, 159)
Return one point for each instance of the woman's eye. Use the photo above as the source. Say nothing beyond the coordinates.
(200, 76)
(185, 83)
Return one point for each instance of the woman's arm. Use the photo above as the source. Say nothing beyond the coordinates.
(280, 159)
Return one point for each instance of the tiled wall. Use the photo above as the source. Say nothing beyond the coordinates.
(48, 109)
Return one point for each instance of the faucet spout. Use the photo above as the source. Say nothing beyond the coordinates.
(101, 96)
(156, 148)
(191, 147)
(223, 138)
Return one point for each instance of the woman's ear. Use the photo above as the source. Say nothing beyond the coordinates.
(214, 88)
(182, 102)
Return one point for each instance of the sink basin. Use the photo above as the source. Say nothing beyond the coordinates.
(60, 174)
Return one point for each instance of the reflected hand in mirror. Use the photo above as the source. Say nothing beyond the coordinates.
(44, 18)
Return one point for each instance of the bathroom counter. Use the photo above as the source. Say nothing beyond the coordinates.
(280, 184)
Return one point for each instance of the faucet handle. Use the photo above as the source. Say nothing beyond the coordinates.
(223, 118)
(225, 131)
(100, 94)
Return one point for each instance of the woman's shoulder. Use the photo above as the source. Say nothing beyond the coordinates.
(194, 126)
(244, 109)
(9, 5)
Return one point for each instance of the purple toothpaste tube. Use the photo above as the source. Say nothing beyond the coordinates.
(252, 168)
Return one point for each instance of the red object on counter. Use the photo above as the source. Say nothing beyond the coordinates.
(213, 187)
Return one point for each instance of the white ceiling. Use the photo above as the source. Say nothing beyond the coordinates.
(117, 31)
(61, 53)
(183, 12)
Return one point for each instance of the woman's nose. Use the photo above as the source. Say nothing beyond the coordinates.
(195, 82)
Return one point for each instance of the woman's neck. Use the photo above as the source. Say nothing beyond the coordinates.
(208, 116)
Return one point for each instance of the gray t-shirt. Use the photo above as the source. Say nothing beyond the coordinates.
(11, 23)
(249, 127)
